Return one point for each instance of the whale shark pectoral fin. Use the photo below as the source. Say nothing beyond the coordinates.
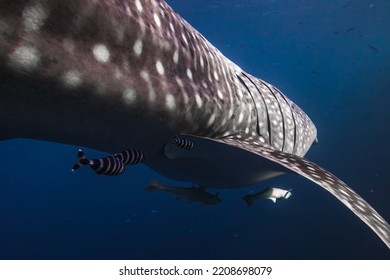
(324, 179)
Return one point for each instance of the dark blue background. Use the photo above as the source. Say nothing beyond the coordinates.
(306, 48)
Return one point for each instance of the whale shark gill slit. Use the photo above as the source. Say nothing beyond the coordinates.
(292, 116)
(280, 110)
(254, 103)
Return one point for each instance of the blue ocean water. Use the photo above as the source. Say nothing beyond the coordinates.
(332, 58)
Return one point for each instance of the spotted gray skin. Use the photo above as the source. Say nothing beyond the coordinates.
(113, 74)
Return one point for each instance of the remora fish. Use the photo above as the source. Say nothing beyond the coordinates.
(268, 193)
(116, 74)
(190, 194)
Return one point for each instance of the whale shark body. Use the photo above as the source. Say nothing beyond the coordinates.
(114, 74)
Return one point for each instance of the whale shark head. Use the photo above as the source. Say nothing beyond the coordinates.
(113, 74)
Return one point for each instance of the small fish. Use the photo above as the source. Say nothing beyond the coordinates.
(314, 72)
(374, 49)
(269, 193)
(193, 194)
(183, 143)
(344, 32)
(111, 165)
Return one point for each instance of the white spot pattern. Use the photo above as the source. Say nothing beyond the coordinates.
(170, 102)
(176, 57)
(160, 67)
(189, 73)
(25, 58)
(198, 100)
(157, 20)
(211, 120)
(139, 6)
(137, 47)
(101, 53)
(129, 95)
(34, 17)
(216, 76)
(72, 78)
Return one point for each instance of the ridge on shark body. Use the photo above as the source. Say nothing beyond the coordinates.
(115, 75)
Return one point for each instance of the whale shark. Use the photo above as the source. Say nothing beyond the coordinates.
(114, 75)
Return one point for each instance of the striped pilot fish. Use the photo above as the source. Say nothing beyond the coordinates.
(111, 165)
(183, 143)
(115, 164)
